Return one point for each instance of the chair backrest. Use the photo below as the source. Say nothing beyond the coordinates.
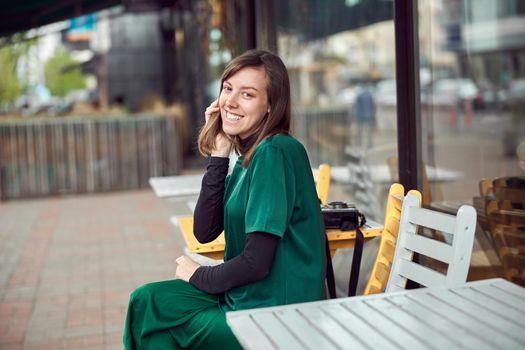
(323, 183)
(457, 255)
(385, 252)
(516, 196)
(485, 187)
(505, 214)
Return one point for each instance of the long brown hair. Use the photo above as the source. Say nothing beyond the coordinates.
(278, 91)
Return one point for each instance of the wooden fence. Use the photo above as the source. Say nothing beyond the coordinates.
(40, 157)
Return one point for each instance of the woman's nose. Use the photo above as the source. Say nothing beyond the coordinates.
(231, 100)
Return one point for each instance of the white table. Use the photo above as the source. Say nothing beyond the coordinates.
(182, 185)
(488, 314)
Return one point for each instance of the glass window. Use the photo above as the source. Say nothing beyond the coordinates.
(341, 60)
(472, 106)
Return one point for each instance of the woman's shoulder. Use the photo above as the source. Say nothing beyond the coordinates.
(281, 141)
(280, 145)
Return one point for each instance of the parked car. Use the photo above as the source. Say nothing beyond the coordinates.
(455, 91)
(513, 94)
(516, 90)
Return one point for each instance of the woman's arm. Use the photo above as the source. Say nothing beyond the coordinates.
(208, 220)
(252, 265)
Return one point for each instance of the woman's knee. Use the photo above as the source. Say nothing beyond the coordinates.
(144, 289)
(169, 287)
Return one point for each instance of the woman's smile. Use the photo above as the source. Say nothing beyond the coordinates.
(233, 117)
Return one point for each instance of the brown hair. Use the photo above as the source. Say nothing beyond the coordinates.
(278, 91)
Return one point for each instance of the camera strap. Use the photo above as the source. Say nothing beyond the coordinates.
(356, 262)
(347, 225)
(330, 279)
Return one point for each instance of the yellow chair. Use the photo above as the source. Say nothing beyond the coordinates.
(322, 184)
(485, 187)
(385, 253)
(213, 250)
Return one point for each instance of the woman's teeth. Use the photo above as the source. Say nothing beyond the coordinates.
(231, 116)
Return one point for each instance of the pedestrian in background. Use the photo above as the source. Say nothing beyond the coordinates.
(365, 111)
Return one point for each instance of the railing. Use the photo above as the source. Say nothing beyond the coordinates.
(324, 131)
(40, 157)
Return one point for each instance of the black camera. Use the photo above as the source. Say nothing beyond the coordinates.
(341, 215)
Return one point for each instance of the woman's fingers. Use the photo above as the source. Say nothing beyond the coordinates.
(212, 110)
(186, 267)
(222, 144)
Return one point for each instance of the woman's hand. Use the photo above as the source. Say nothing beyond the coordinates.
(222, 144)
(186, 267)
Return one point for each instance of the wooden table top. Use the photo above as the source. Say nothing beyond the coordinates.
(487, 314)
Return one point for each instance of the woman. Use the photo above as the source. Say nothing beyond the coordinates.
(267, 207)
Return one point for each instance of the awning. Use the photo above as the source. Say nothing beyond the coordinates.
(315, 19)
(23, 15)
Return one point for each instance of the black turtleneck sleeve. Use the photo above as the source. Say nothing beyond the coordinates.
(208, 220)
(253, 264)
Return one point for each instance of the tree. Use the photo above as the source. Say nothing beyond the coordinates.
(10, 88)
(62, 74)
(12, 48)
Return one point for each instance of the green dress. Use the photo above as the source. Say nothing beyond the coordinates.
(274, 194)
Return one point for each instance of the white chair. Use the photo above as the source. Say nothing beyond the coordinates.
(456, 255)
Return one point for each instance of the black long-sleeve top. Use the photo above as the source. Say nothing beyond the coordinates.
(253, 264)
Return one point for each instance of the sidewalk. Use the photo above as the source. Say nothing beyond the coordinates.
(68, 264)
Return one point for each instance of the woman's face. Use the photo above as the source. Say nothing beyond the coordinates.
(244, 101)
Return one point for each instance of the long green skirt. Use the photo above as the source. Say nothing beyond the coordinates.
(176, 315)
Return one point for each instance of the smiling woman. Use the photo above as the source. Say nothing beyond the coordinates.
(255, 91)
(267, 207)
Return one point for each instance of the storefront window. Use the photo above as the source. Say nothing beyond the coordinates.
(472, 60)
(341, 60)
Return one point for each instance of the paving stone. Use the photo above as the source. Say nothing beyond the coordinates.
(69, 264)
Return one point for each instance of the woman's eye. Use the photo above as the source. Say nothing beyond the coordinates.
(227, 88)
(247, 94)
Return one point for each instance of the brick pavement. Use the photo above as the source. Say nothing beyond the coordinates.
(68, 264)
